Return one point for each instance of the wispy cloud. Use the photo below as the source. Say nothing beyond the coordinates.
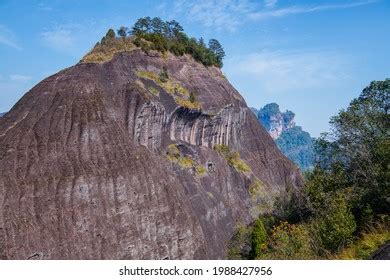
(270, 3)
(44, 7)
(222, 14)
(279, 71)
(230, 14)
(19, 78)
(70, 37)
(59, 37)
(282, 12)
(7, 38)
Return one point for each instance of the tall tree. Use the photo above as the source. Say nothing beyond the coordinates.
(175, 28)
(110, 34)
(122, 31)
(217, 49)
(157, 25)
(142, 25)
(359, 146)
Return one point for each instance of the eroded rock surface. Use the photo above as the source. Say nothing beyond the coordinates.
(84, 170)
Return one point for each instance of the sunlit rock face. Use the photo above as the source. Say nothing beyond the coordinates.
(87, 169)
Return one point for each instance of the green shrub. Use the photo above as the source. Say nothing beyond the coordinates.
(173, 153)
(200, 170)
(259, 238)
(163, 77)
(262, 199)
(185, 162)
(335, 225)
(289, 242)
(239, 246)
(232, 158)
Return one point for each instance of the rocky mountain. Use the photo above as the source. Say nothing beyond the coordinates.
(294, 142)
(2, 114)
(141, 155)
(274, 121)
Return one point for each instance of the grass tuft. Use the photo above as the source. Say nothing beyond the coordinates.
(232, 158)
(102, 53)
(369, 242)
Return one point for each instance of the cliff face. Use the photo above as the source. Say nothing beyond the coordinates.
(118, 161)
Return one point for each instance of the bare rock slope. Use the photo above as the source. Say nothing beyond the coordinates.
(113, 161)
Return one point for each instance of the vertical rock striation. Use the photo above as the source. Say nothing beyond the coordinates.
(85, 171)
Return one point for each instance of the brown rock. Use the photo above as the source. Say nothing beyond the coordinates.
(84, 172)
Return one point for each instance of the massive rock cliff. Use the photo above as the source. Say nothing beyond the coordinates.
(140, 157)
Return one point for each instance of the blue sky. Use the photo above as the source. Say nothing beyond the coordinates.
(311, 57)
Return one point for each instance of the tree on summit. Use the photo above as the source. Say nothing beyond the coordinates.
(217, 49)
(122, 31)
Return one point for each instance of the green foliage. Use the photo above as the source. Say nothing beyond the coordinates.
(217, 50)
(289, 242)
(200, 170)
(359, 145)
(346, 195)
(297, 145)
(239, 246)
(262, 199)
(232, 158)
(367, 244)
(334, 225)
(181, 95)
(122, 31)
(192, 97)
(110, 34)
(174, 155)
(294, 143)
(185, 162)
(163, 77)
(165, 36)
(259, 238)
(162, 36)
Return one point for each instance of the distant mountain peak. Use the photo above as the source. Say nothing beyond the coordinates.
(274, 120)
(292, 140)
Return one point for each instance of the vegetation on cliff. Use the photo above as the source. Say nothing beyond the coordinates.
(232, 157)
(343, 209)
(158, 35)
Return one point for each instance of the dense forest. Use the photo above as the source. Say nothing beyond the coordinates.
(343, 209)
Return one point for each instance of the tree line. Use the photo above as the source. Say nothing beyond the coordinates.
(156, 34)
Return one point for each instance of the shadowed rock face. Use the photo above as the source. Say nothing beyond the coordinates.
(383, 252)
(84, 172)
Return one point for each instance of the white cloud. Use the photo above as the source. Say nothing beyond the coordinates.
(230, 14)
(59, 38)
(44, 7)
(270, 3)
(222, 14)
(19, 78)
(7, 38)
(282, 12)
(289, 71)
